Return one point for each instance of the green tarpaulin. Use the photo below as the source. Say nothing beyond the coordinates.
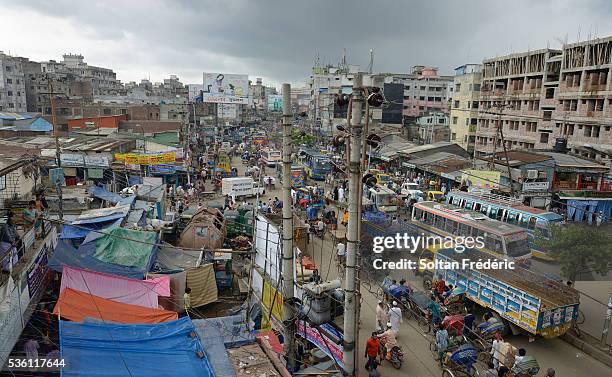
(126, 247)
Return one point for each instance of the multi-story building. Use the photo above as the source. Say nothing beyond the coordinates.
(464, 106)
(12, 84)
(425, 90)
(102, 80)
(518, 94)
(433, 127)
(549, 97)
(300, 99)
(583, 99)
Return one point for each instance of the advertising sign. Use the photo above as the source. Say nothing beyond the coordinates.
(482, 178)
(275, 102)
(146, 158)
(71, 159)
(195, 92)
(536, 186)
(297, 177)
(227, 111)
(321, 341)
(225, 88)
(96, 161)
(37, 271)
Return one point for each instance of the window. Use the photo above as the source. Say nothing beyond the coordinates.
(9, 93)
(8, 68)
(422, 88)
(456, 106)
(477, 87)
(9, 81)
(454, 136)
(550, 93)
(422, 98)
(10, 104)
(454, 120)
(457, 88)
(18, 94)
(544, 138)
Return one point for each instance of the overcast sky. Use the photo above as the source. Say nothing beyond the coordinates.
(278, 39)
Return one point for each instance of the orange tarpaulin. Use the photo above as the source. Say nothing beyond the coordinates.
(77, 305)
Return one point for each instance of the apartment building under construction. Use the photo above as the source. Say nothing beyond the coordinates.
(549, 97)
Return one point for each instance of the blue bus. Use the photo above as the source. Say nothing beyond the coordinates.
(316, 164)
(511, 211)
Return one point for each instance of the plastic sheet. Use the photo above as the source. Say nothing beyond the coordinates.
(100, 350)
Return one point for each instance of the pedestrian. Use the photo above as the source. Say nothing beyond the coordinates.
(187, 299)
(341, 194)
(496, 350)
(372, 350)
(381, 315)
(503, 371)
(308, 232)
(521, 354)
(441, 341)
(395, 317)
(468, 325)
(388, 339)
(374, 371)
(434, 310)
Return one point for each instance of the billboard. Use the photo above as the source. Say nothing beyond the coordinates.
(481, 178)
(225, 88)
(227, 111)
(275, 102)
(195, 92)
(392, 112)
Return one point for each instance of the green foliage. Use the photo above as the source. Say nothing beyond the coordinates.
(302, 139)
(579, 249)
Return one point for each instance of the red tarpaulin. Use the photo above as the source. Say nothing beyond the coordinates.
(76, 306)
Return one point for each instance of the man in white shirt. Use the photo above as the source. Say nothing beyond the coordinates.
(395, 318)
(340, 194)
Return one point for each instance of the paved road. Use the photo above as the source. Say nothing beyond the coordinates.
(566, 359)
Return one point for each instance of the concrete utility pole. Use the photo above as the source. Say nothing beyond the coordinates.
(351, 327)
(288, 264)
(58, 153)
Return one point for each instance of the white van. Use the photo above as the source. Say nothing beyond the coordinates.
(241, 187)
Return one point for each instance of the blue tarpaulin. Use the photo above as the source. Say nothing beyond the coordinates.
(103, 349)
(577, 209)
(82, 230)
(66, 254)
(221, 333)
(102, 193)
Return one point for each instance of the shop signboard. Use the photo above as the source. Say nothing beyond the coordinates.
(225, 88)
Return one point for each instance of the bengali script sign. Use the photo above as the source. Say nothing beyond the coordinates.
(146, 158)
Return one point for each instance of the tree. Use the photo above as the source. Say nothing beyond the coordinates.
(302, 138)
(579, 249)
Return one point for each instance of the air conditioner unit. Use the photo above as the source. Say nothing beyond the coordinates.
(532, 174)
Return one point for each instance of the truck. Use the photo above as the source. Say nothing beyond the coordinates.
(521, 298)
(241, 187)
(412, 189)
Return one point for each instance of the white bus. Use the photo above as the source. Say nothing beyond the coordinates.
(271, 157)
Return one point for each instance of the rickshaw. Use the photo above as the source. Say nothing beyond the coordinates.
(527, 367)
(461, 362)
(418, 304)
(483, 337)
(453, 324)
(397, 292)
(454, 303)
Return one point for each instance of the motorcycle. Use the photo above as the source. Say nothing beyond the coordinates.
(395, 356)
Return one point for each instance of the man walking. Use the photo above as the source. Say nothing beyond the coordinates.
(372, 350)
(395, 317)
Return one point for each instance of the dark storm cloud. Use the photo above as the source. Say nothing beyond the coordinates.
(279, 39)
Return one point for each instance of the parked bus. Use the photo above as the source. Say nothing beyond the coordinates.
(271, 157)
(447, 220)
(534, 221)
(316, 165)
(383, 198)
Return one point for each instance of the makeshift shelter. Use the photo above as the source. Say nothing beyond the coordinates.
(206, 230)
(116, 288)
(95, 219)
(118, 251)
(118, 350)
(77, 306)
(203, 285)
(221, 333)
(178, 282)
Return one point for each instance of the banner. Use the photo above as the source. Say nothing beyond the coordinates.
(482, 178)
(321, 341)
(225, 88)
(146, 158)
